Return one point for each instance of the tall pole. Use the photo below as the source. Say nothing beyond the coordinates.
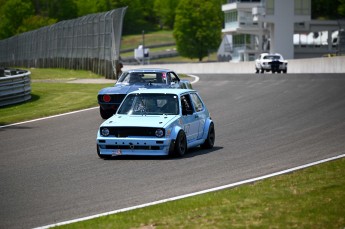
(143, 32)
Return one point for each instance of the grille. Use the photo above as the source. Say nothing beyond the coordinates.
(132, 131)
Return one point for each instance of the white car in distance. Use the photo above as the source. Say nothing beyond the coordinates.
(271, 63)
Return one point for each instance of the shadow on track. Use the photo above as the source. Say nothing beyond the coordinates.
(194, 152)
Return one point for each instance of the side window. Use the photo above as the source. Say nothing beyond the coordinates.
(198, 105)
(173, 77)
(124, 78)
(186, 104)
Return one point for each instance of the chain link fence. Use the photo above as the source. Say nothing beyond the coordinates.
(90, 42)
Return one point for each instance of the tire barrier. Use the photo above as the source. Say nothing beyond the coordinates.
(14, 86)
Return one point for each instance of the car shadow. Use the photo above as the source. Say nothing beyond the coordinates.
(194, 152)
(5, 126)
(198, 151)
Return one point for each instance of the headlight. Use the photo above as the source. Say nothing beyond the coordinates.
(159, 133)
(105, 132)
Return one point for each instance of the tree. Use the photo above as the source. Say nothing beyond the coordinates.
(325, 9)
(35, 22)
(165, 11)
(62, 9)
(149, 15)
(197, 28)
(134, 18)
(86, 7)
(341, 8)
(13, 12)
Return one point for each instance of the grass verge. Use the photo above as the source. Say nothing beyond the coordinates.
(309, 198)
(60, 74)
(50, 99)
(53, 98)
(154, 38)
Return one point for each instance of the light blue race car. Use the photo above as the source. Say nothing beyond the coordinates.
(157, 122)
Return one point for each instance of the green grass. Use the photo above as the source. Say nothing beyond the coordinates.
(161, 37)
(309, 198)
(53, 98)
(60, 74)
(50, 99)
(154, 38)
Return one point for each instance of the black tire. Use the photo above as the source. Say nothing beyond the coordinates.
(256, 70)
(102, 156)
(180, 144)
(211, 137)
(285, 71)
(262, 70)
(104, 114)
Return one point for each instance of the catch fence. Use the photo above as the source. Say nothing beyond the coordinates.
(90, 42)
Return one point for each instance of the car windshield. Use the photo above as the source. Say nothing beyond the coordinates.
(150, 104)
(143, 77)
(272, 57)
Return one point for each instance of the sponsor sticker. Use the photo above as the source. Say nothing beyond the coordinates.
(116, 152)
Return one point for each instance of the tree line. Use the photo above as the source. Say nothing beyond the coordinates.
(18, 16)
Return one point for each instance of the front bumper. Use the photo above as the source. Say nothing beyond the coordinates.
(134, 146)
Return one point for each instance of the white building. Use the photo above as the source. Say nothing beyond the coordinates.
(276, 26)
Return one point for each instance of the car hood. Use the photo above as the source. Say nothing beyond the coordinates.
(140, 120)
(125, 88)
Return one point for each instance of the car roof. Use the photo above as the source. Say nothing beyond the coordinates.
(149, 70)
(175, 91)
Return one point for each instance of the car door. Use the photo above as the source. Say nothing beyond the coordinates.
(199, 115)
(190, 118)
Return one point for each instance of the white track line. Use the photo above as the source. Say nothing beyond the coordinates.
(54, 116)
(195, 193)
(196, 79)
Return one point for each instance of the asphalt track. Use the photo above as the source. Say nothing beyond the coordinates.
(49, 170)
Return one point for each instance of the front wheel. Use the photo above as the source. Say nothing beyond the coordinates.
(211, 137)
(180, 144)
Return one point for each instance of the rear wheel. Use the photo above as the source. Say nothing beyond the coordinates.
(180, 144)
(211, 137)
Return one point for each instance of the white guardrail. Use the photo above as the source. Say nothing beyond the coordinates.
(14, 86)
